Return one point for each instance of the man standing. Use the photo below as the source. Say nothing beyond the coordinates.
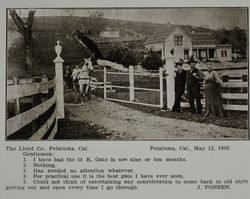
(75, 73)
(68, 78)
(180, 81)
(193, 83)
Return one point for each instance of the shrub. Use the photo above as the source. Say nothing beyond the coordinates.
(128, 58)
(139, 55)
(116, 54)
(123, 56)
(152, 61)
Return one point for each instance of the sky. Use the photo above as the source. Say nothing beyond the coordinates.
(213, 18)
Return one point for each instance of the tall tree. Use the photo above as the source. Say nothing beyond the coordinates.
(97, 24)
(25, 28)
(89, 45)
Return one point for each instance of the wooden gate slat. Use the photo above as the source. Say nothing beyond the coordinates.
(234, 84)
(19, 121)
(233, 107)
(45, 127)
(243, 96)
(23, 90)
(53, 132)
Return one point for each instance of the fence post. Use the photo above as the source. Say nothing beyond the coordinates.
(17, 103)
(59, 81)
(161, 86)
(131, 84)
(170, 82)
(36, 100)
(104, 83)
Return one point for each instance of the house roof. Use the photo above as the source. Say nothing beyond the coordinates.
(159, 35)
(198, 38)
(203, 38)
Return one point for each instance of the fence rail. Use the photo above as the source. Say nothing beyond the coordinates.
(45, 127)
(23, 90)
(240, 87)
(32, 90)
(235, 107)
(231, 97)
(234, 84)
(129, 87)
(233, 88)
(37, 102)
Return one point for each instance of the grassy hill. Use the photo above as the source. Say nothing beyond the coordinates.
(47, 30)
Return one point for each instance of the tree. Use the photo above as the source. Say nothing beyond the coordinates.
(152, 61)
(69, 23)
(238, 39)
(97, 22)
(89, 45)
(25, 28)
(116, 54)
(128, 58)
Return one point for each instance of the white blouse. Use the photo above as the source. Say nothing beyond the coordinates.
(212, 76)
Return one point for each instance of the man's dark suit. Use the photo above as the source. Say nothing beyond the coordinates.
(193, 88)
(180, 81)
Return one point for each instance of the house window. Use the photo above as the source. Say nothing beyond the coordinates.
(159, 53)
(222, 53)
(186, 52)
(177, 40)
(225, 53)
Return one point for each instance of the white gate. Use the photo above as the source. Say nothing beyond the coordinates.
(143, 88)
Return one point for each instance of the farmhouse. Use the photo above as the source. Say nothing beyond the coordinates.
(167, 38)
(202, 45)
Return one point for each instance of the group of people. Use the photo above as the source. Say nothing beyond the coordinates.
(188, 84)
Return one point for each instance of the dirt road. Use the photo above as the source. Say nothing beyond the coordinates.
(142, 126)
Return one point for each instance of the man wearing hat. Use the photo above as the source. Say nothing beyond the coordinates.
(193, 84)
(180, 81)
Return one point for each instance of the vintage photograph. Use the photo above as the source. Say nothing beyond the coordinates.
(127, 73)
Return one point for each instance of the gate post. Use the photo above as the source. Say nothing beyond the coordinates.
(59, 81)
(161, 86)
(104, 83)
(131, 84)
(170, 82)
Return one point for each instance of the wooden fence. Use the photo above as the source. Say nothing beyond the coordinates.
(35, 104)
(234, 92)
(31, 90)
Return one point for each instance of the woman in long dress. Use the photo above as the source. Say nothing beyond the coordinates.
(213, 98)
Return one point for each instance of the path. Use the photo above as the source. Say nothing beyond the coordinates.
(142, 126)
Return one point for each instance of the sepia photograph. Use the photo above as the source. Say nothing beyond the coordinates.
(178, 73)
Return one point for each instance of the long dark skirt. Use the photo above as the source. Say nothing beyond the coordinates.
(213, 99)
